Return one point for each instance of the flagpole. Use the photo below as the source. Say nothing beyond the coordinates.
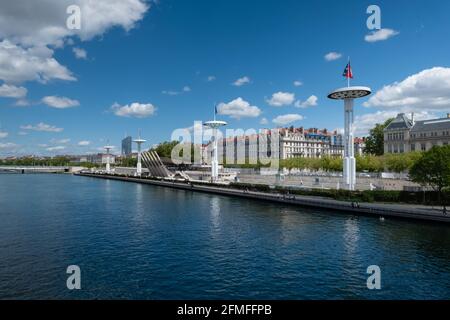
(348, 73)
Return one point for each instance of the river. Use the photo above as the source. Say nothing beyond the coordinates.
(134, 241)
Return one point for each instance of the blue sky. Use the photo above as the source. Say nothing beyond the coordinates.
(158, 66)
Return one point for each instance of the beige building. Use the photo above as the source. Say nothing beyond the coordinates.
(404, 134)
(292, 143)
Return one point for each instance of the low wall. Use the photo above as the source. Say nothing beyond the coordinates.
(372, 209)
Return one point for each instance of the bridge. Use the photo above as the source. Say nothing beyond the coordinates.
(33, 169)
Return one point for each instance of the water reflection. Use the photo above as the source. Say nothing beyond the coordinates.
(351, 236)
(214, 205)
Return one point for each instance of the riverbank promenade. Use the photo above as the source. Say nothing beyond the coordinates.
(380, 210)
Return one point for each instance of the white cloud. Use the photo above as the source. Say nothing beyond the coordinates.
(286, 119)
(42, 127)
(363, 123)
(175, 93)
(80, 53)
(28, 28)
(22, 133)
(331, 56)
(170, 92)
(10, 91)
(22, 103)
(310, 102)
(241, 81)
(57, 148)
(84, 143)
(263, 121)
(19, 64)
(60, 141)
(380, 35)
(280, 99)
(211, 78)
(135, 110)
(238, 108)
(60, 102)
(3, 134)
(298, 83)
(33, 23)
(426, 90)
(8, 146)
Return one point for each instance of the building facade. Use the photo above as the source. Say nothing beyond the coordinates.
(280, 143)
(127, 146)
(404, 134)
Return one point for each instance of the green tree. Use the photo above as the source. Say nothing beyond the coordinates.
(164, 149)
(433, 169)
(375, 140)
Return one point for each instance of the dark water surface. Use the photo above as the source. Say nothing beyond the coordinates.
(146, 242)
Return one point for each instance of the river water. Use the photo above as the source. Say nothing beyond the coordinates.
(134, 241)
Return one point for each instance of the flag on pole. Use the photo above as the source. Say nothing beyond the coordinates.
(215, 109)
(348, 71)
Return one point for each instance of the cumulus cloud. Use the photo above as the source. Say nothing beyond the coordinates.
(280, 99)
(41, 126)
(37, 23)
(134, 110)
(331, 56)
(263, 121)
(380, 35)
(211, 78)
(29, 28)
(10, 91)
(80, 53)
(298, 83)
(8, 146)
(428, 89)
(19, 64)
(3, 134)
(84, 143)
(238, 108)
(363, 123)
(60, 102)
(310, 102)
(241, 81)
(287, 119)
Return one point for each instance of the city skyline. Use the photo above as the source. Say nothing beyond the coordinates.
(158, 66)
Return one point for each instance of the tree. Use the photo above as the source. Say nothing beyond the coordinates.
(433, 169)
(375, 140)
(164, 149)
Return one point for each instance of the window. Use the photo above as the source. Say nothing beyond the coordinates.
(413, 147)
(422, 147)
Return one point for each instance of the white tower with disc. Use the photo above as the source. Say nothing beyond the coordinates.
(214, 125)
(139, 142)
(108, 165)
(349, 94)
